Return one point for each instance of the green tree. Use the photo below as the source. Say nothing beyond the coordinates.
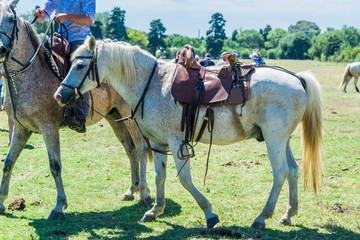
(295, 46)
(250, 39)
(350, 36)
(264, 32)
(326, 44)
(96, 29)
(274, 37)
(215, 36)
(137, 38)
(309, 28)
(156, 36)
(234, 34)
(115, 28)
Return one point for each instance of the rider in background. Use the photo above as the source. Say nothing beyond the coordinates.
(257, 59)
(77, 17)
(207, 61)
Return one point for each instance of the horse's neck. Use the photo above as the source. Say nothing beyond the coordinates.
(24, 47)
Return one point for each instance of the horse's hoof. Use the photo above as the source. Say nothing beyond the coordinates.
(147, 218)
(56, 215)
(146, 202)
(127, 197)
(285, 221)
(211, 222)
(258, 225)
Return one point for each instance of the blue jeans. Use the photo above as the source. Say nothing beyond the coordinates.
(82, 108)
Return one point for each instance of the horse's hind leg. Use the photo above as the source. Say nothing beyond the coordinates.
(277, 154)
(293, 187)
(355, 83)
(136, 149)
(52, 142)
(19, 140)
(346, 83)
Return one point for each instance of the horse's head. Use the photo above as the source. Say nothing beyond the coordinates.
(82, 74)
(8, 27)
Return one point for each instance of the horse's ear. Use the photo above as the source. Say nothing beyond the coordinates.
(14, 3)
(92, 43)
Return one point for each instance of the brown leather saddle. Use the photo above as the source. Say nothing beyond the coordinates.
(58, 54)
(195, 86)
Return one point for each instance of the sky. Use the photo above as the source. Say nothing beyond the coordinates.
(191, 17)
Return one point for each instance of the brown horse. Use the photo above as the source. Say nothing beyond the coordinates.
(29, 103)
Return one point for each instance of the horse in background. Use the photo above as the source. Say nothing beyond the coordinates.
(30, 104)
(279, 102)
(352, 70)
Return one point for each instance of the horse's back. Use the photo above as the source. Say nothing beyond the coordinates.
(276, 96)
(354, 69)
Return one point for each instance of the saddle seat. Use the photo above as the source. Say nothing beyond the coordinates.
(229, 84)
(196, 86)
(57, 51)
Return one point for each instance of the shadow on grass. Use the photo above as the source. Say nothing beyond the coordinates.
(120, 224)
(124, 224)
(236, 232)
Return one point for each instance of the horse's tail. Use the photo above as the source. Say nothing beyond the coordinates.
(345, 76)
(311, 133)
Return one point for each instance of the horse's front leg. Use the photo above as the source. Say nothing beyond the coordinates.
(277, 154)
(19, 139)
(293, 187)
(183, 168)
(51, 138)
(160, 161)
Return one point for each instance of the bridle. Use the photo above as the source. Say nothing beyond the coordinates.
(15, 36)
(14, 33)
(93, 74)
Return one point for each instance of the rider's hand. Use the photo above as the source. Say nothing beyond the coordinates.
(61, 18)
(39, 12)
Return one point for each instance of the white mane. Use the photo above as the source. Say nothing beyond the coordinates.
(119, 57)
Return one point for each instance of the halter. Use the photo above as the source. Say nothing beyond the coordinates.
(93, 69)
(14, 33)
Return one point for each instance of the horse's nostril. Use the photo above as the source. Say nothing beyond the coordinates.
(3, 50)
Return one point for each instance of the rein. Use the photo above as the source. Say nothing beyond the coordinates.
(95, 73)
(141, 100)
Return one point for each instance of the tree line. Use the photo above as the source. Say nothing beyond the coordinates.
(303, 40)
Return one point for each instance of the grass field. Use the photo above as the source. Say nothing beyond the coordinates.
(96, 173)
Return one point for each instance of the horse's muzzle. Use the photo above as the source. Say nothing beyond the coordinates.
(64, 96)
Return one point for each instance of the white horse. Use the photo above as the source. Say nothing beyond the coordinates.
(279, 102)
(352, 70)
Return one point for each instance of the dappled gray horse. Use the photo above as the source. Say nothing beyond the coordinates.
(29, 103)
(279, 102)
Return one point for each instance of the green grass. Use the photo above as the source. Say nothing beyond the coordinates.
(96, 173)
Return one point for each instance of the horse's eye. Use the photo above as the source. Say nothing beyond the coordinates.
(11, 19)
(80, 64)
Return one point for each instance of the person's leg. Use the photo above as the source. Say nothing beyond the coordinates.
(81, 109)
